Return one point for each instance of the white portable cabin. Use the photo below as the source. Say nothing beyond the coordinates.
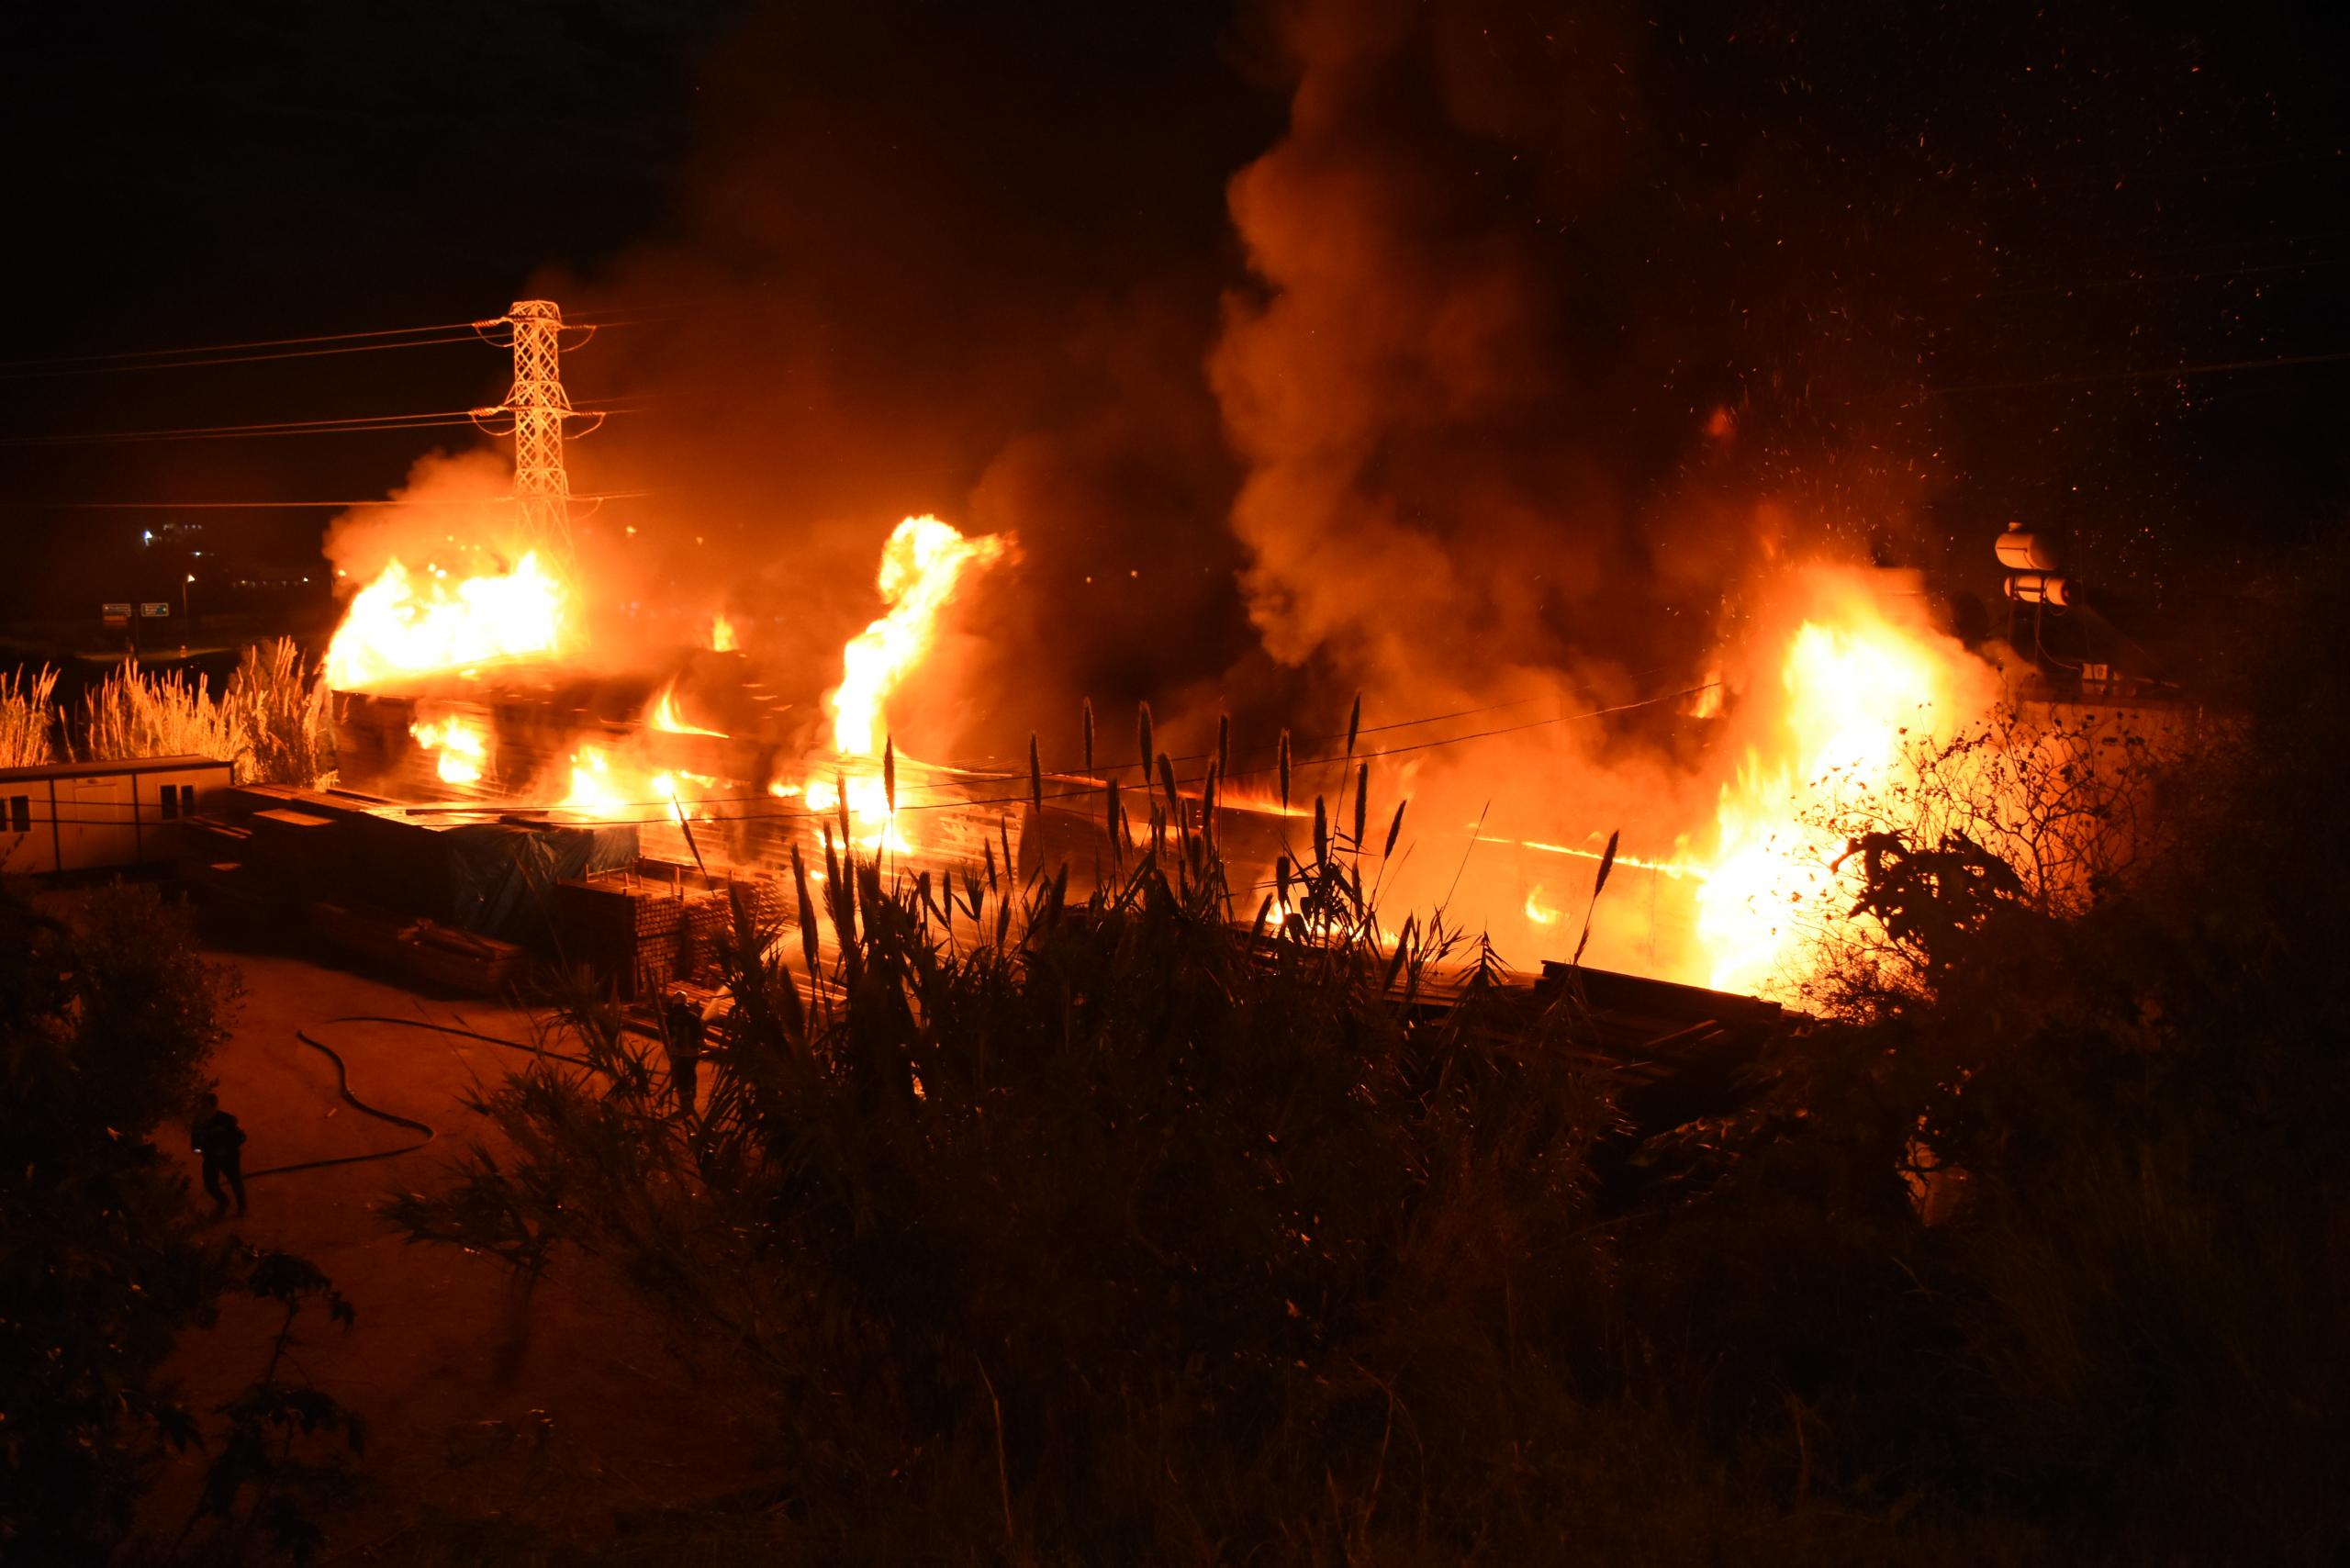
(79, 816)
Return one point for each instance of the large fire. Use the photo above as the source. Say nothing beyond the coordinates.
(921, 565)
(402, 624)
(1849, 693)
(1856, 691)
(1852, 687)
(920, 568)
(405, 625)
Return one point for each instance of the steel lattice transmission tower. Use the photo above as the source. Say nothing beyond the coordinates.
(539, 406)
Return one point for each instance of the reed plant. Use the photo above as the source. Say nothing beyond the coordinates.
(270, 723)
(27, 718)
(1188, 1221)
(283, 707)
(135, 713)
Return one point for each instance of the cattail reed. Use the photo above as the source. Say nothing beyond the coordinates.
(807, 910)
(1394, 831)
(1321, 834)
(1606, 864)
(1223, 743)
(1282, 767)
(1088, 738)
(1142, 733)
(1354, 724)
(1035, 776)
(1362, 801)
(890, 773)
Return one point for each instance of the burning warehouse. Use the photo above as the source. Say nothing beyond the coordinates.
(473, 698)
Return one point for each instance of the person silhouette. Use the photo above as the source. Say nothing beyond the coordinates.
(219, 1142)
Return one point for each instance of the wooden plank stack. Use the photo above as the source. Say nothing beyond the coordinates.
(657, 924)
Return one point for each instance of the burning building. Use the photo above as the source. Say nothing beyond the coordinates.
(473, 701)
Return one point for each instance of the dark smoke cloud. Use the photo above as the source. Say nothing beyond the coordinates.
(949, 260)
(1450, 353)
(1532, 373)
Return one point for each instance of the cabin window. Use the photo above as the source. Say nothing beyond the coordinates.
(20, 813)
(171, 801)
(188, 799)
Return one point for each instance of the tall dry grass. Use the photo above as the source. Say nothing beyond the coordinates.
(135, 712)
(1110, 1228)
(283, 705)
(270, 723)
(27, 718)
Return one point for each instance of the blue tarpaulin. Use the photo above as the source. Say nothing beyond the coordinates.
(502, 875)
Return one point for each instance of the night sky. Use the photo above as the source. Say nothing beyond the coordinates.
(1937, 265)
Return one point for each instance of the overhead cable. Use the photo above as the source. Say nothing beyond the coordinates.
(228, 347)
(466, 337)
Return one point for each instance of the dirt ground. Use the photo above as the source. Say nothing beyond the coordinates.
(563, 1413)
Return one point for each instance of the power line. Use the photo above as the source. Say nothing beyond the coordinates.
(270, 427)
(355, 425)
(242, 506)
(238, 359)
(227, 348)
(126, 360)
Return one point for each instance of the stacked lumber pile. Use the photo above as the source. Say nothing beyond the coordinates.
(426, 894)
(658, 924)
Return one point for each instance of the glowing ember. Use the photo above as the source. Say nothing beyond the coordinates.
(403, 625)
(462, 744)
(1856, 689)
(920, 568)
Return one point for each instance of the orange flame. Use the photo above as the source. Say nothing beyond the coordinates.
(721, 635)
(462, 742)
(920, 568)
(1856, 688)
(397, 625)
(662, 715)
(610, 786)
(873, 824)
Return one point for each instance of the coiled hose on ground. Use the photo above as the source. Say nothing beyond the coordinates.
(343, 1087)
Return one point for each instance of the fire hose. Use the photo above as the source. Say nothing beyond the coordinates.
(343, 1087)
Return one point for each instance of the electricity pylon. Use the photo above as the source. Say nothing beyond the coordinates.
(538, 406)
